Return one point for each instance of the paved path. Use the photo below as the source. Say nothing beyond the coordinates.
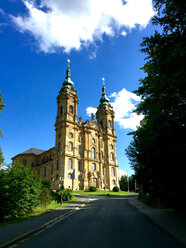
(105, 223)
(11, 232)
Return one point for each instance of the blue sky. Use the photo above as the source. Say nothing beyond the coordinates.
(35, 41)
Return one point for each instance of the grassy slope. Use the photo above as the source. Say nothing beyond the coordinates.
(38, 211)
(103, 193)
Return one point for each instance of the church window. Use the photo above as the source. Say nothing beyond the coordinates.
(93, 166)
(69, 163)
(80, 166)
(79, 149)
(101, 124)
(113, 172)
(93, 141)
(110, 124)
(69, 176)
(93, 153)
(70, 135)
(71, 109)
(70, 146)
(24, 162)
(59, 147)
(111, 146)
(113, 182)
(61, 110)
(45, 171)
(57, 164)
(57, 176)
(80, 178)
(111, 156)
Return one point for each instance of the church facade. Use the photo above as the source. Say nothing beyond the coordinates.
(84, 154)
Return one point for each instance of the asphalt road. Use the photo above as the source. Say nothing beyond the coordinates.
(104, 223)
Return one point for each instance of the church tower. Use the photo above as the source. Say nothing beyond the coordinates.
(66, 122)
(105, 119)
(84, 154)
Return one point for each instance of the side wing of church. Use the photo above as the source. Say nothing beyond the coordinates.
(85, 152)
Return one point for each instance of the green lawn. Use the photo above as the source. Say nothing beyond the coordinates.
(38, 211)
(103, 193)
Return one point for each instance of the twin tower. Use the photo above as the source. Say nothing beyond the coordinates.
(85, 152)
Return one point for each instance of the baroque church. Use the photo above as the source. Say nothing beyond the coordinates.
(84, 154)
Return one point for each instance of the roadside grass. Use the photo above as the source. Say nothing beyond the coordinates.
(37, 211)
(103, 193)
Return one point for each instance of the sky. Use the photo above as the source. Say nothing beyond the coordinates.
(100, 37)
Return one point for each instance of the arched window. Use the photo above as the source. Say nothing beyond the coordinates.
(101, 124)
(71, 109)
(59, 147)
(93, 166)
(24, 162)
(79, 149)
(70, 135)
(111, 146)
(69, 176)
(69, 163)
(113, 182)
(80, 178)
(113, 172)
(70, 146)
(61, 110)
(93, 153)
(57, 167)
(111, 156)
(80, 166)
(93, 141)
(110, 124)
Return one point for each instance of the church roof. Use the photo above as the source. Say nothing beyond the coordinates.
(34, 151)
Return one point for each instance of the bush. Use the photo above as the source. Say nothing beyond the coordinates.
(92, 189)
(115, 189)
(19, 189)
(67, 195)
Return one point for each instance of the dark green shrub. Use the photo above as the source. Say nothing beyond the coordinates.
(19, 190)
(92, 189)
(115, 189)
(108, 194)
(67, 195)
(45, 196)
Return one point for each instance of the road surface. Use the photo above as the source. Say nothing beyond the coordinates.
(105, 223)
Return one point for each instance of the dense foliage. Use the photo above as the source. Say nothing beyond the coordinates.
(19, 191)
(92, 189)
(115, 189)
(128, 183)
(67, 195)
(157, 152)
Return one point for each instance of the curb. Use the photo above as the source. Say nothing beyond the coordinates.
(43, 227)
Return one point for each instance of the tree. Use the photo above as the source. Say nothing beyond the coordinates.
(123, 183)
(157, 152)
(1, 107)
(19, 189)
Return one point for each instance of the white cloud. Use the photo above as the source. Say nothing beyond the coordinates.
(121, 173)
(91, 110)
(72, 24)
(123, 104)
(123, 33)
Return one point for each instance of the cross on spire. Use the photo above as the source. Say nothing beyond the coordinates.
(68, 60)
(103, 79)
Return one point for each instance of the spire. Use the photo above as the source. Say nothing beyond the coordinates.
(104, 99)
(68, 82)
